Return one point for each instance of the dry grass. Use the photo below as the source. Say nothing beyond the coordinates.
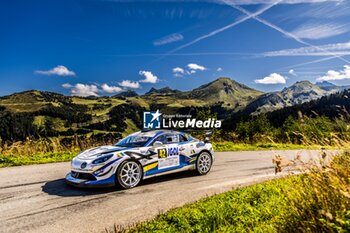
(320, 201)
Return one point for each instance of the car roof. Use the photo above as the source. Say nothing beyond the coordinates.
(152, 133)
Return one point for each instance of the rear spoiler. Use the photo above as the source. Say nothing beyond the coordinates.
(208, 135)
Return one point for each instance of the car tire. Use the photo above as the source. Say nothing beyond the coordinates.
(203, 163)
(129, 174)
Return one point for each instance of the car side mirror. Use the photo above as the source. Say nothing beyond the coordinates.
(157, 143)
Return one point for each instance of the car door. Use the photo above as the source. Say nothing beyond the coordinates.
(169, 153)
(185, 147)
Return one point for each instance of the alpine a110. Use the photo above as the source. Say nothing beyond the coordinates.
(139, 156)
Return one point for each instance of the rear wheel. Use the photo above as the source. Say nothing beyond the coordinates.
(129, 174)
(203, 164)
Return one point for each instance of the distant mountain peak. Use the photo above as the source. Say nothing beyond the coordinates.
(162, 91)
(128, 93)
(298, 93)
(325, 84)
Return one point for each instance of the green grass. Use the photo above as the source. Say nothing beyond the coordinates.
(317, 201)
(257, 208)
(15, 160)
(131, 127)
(230, 146)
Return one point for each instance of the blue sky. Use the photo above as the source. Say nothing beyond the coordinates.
(96, 47)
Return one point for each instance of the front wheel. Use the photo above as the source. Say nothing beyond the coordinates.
(129, 174)
(203, 164)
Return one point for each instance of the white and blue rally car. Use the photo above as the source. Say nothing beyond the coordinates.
(141, 155)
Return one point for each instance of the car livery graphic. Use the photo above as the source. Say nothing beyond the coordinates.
(139, 156)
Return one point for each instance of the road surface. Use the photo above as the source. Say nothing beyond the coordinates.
(36, 198)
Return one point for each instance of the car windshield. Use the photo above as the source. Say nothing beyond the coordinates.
(133, 141)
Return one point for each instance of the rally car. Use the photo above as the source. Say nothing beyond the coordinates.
(139, 156)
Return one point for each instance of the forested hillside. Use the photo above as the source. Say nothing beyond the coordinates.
(37, 115)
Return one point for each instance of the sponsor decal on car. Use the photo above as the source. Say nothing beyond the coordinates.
(168, 162)
(172, 151)
(162, 153)
(168, 157)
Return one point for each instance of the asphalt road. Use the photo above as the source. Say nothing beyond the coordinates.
(36, 198)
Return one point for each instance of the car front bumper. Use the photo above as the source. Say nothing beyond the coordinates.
(110, 182)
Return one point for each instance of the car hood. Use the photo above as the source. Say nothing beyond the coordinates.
(98, 151)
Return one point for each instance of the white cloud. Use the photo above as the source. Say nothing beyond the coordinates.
(58, 70)
(333, 75)
(84, 90)
(129, 84)
(193, 66)
(255, 2)
(337, 48)
(284, 32)
(149, 77)
(233, 24)
(292, 72)
(320, 31)
(169, 39)
(178, 72)
(327, 11)
(67, 85)
(273, 78)
(219, 69)
(242, 2)
(110, 89)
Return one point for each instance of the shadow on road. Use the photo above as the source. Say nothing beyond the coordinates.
(169, 177)
(61, 188)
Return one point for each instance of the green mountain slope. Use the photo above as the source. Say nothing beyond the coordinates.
(226, 90)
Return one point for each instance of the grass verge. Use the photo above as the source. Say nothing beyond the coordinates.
(317, 201)
(230, 146)
(252, 209)
(17, 160)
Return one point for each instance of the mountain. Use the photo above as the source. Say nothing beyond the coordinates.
(298, 93)
(128, 93)
(333, 106)
(162, 91)
(326, 84)
(225, 90)
(41, 114)
(32, 100)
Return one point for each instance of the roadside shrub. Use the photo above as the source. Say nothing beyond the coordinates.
(254, 128)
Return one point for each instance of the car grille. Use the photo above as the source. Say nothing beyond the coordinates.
(83, 176)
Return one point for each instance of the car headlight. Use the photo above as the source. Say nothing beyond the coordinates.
(102, 159)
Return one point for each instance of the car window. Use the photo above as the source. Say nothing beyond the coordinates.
(172, 138)
(167, 139)
(182, 138)
(133, 141)
(161, 139)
